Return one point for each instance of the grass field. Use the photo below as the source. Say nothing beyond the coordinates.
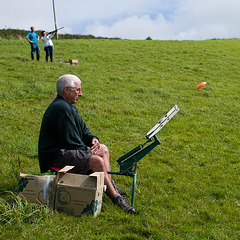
(187, 188)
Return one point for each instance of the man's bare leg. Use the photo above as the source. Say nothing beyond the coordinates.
(98, 164)
(104, 153)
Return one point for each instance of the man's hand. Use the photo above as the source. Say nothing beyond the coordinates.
(95, 146)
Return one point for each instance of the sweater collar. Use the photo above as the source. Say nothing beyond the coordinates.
(72, 105)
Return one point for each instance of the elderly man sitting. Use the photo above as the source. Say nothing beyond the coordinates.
(65, 140)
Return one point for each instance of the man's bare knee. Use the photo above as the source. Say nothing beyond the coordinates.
(103, 151)
(96, 164)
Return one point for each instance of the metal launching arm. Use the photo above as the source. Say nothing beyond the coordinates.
(162, 121)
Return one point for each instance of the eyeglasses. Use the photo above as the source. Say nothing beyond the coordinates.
(77, 89)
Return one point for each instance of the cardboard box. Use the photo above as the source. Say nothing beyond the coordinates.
(79, 194)
(73, 194)
(73, 61)
(38, 189)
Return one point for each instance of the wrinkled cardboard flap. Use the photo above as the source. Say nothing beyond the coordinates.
(95, 180)
(66, 169)
(100, 180)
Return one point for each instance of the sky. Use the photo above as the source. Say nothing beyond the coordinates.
(127, 19)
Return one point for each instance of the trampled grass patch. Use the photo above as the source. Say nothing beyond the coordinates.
(187, 188)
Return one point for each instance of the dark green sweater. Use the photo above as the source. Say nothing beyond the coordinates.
(62, 128)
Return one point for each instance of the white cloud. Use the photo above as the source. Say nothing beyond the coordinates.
(131, 19)
(26, 13)
(134, 27)
(193, 19)
(203, 19)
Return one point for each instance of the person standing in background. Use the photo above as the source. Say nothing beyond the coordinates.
(48, 44)
(33, 39)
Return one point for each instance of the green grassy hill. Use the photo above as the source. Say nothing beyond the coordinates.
(187, 188)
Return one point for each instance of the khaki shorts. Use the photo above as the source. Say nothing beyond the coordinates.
(78, 158)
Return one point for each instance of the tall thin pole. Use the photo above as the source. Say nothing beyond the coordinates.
(54, 14)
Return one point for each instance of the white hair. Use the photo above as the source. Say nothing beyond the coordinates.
(66, 80)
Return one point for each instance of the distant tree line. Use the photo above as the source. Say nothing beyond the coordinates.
(20, 34)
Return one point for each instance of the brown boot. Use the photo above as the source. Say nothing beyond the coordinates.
(122, 203)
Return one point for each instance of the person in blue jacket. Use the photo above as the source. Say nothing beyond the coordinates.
(65, 139)
(33, 39)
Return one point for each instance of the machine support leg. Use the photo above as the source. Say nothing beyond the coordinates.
(133, 188)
